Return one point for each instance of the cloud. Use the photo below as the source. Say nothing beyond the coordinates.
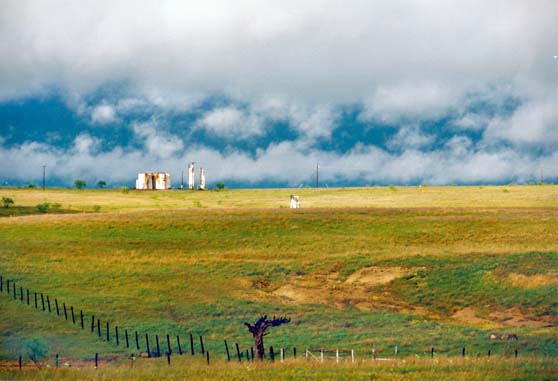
(157, 143)
(103, 114)
(231, 123)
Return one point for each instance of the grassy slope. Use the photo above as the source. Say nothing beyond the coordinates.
(158, 262)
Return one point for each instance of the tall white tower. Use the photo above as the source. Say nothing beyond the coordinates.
(191, 176)
(202, 179)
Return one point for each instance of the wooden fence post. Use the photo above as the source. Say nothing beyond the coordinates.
(48, 303)
(99, 327)
(489, 353)
(238, 353)
(168, 358)
(36, 304)
(96, 360)
(65, 312)
(81, 319)
(92, 323)
(137, 341)
(1, 284)
(179, 346)
(116, 333)
(108, 332)
(28, 297)
(271, 353)
(516, 353)
(192, 343)
(432, 352)
(282, 354)
(126, 335)
(207, 357)
(201, 345)
(252, 353)
(463, 352)
(21, 294)
(294, 353)
(43, 301)
(168, 344)
(158, 349)
(56, 306)
(227, 350)
(20, 362)
(337, 356)
(147, 345)
(14, 289)
(73, 316)
(57, 360)
(352, 356)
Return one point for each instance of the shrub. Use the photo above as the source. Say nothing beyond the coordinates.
(124, 190)
(220, 186)
(43, 208)
(80, 184)
(7, 201)
(101, 184)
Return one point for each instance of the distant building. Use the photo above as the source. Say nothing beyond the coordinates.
(295, 202)
(191, 176)
(202, 179)
(153, 180)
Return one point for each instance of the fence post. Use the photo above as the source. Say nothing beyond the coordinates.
(116, 332)
(201, 345)
(28, 297)
(81, 319)
(373, 353)
(463, 352)
(432, 352)
(14, 288)
(516, 353)
(252, 353)
(137, 341)
(65, 312)
(96, 360)
(247, 354)
(21, 294)
(227, 350)
(489, 353)
(158, 348)
(179, 346)
(238, 353)
(57, 358)
(73, 316)
(168, 358)
(396, 352)
(271, 353)
(99, 327)
(8, 287)
(1, 284)
(20, 362)
(168, 344)
(48, 303)
(282, 354)
(43, 301)
(126, 335)
(207, 357)
(92, 323)
(56, 306)
(108, 332)
(191, 343)
(294, 353)
(352, 355)
(147, 345)
(337, 356)
(36, 304)
(322, 355)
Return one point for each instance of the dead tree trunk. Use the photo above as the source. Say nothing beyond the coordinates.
(258, 331)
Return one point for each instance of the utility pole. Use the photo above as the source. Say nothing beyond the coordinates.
(542, 177)
(44, 177)
(182, 182)
(317, 175)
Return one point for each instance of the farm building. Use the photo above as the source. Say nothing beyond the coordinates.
(153, 180)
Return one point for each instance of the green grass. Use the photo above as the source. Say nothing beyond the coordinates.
(456, 263)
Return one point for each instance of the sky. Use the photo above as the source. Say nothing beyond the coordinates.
(259, 93)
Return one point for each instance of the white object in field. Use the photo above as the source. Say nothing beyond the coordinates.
(295, 202)
(153, 180)
(202, 179)
(191, 176)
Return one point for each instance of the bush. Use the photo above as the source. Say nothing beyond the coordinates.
(7, 201)
(124, 190)
(101, 184)
(43, 208)
(80, 184)
(220, 186)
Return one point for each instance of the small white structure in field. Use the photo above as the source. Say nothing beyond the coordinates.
(153, 180)
(202, 179)
(191, 176)
(295, 202)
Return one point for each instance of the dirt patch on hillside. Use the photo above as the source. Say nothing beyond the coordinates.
(532, 281)
(469, 316)
(513, 317)
(373, 276)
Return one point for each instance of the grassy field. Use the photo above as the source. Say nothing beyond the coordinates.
(356, 268)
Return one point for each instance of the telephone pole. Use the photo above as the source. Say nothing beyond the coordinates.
(44, 177)
(317, 175)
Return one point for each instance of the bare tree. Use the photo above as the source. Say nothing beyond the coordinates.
(258, 331)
